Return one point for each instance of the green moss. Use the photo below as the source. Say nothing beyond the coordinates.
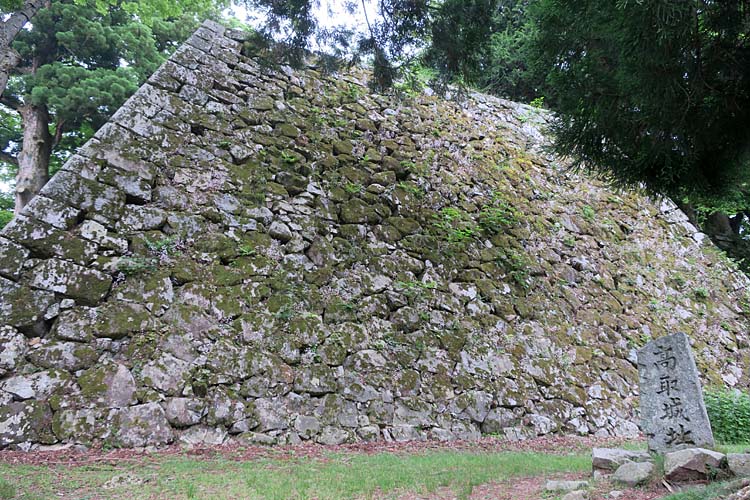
(93, 382)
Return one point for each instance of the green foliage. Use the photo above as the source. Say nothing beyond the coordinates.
(460, 38)
(289, 158)
(701, 293)
(247, 251)
(164, 247)
(588, 213)
(7, 6)
(496, 219)
(537, 102)
(455, 225)
(133, 266)
(714, 491)
(81, 59)
(650, 94)
(414, 77)
(7, 490)
(5, 217)
(509, 61)
(412, 189)
(729, 414)
(517, 266)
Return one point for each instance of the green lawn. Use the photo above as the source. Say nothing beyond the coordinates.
(341, 476)
(716, 491)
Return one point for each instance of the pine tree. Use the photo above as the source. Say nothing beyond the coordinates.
(653, 93)
(76, 65)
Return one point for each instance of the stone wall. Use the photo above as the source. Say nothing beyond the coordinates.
(272, 255)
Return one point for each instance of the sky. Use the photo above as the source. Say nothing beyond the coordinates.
(329, 13)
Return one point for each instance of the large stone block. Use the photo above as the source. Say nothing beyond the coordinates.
(70, 356)
(39, 385)
(85, 285)
(673, 413)
(48, 241)
(12, 258)
(609, 459)
(13, 347)
(22, 307)
(28, 421)
(139, 426)
(114, 320)
(693, 464)
(739, 464)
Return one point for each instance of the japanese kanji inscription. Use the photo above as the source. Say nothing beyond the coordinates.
(673, 414)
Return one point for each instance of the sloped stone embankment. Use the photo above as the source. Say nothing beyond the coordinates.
(247, 250)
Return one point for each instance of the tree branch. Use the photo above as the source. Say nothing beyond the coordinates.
(58, 132)
(8, 158)
(11, 102)
(9, 30)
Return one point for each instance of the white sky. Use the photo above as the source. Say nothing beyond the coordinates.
(329, 13)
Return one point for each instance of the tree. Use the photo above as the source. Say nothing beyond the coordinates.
(76, 65)
(18, 14)
(485, 44)
(390, 39)
(652, 93)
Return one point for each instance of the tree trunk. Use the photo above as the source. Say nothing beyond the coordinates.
(9, 29)
(33, 160)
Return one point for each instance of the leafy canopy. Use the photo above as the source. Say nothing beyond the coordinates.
(653, 93)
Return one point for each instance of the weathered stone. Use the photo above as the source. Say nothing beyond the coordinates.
(693, 464)
(142, 425)
(497, 419)
(39, 385)
(12, 257)
(369, 433)
(633, 473)
(113, 320)
(316, 380)
(609, 459)
(69, 356)
(201, 435)
(109, 385)
(672, 410)
(13, 347)
(184, 412)
(739, 464)
(280, 231)
(257, 438)
(379, 269)
(332, 436)
(306, 426)
(77, 282)
(23, 308)
(167, 374)
(79, 425)
(29, 421)
(555, 485)
(270, 415)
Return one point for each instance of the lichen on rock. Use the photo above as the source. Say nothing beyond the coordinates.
(238, 255)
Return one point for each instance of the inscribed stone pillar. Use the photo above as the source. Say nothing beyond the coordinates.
(673, 414)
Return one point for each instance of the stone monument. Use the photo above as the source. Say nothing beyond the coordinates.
(673, 413)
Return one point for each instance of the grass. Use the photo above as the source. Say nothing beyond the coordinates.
(715, 491)
(334, 477)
